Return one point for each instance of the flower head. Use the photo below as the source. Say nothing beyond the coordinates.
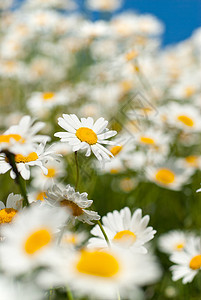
(86, 134)
(74, 202)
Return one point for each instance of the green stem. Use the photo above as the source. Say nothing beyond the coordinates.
(19, 180)
(69, 294)
(118, 295)
(77, 171)
(104, 233)
(50, 294)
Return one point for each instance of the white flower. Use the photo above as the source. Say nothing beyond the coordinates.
(104, 5)
(188, 261)
(24, 160)
(173, 241)
(169, 175)
(56, 169)
(23, 134)
(30, 241)
(101, 274)
(86, 134)
(74, 202)
(124, 231)
(13, 290)
(8, 211)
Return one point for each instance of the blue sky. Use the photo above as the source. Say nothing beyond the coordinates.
(180, 17)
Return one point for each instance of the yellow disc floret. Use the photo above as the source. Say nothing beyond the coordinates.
(51, 172)
(179, 246)
(19, 158)
(37, 240)
(116, 149)
(125, 237)
(7, 214)
(147, 140)
(41, 196)
(165, 176)
(48, 96)
(85, 134)
(75, 209)
(195, 262)
(5, 138)
(186, 120)
(98, 263)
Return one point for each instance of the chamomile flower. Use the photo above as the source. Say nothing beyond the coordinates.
(183, 116)
(86, 134)
(30, 241)
(24, 160)
(169, 176)
(187, 262)
(124, 230)
(44, 181)
(8, 211)
(41, 103)
(102, 274)
(73, 239)
(173, 241)
(74, 202)
(23, 134)
(104, 5)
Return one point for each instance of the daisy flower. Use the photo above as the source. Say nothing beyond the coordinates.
(102, 274)
(31, 240)
(104, 5)
(24, 133)
(15, 290)
(8, 211)
(56, 169)
(86, 134)
(74, 202)
(173, 241)
(42, 103)
(188, 261)
(24, 160)
(73, 239)
(169, 176)
(123, 230)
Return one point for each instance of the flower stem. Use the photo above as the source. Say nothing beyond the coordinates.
(77, 170)
(69, 294)
(19, 180)
(103, 232)
(118, 295)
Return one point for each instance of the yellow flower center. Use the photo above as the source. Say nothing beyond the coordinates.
(116, 149)
(48, 96)
(165, 176)
(7, 214)
(186, 120)
(189, 91)
(195, 262)
(76, 210)
(97, 263)
(19, 158)
(85, 134)
(37, 240)
(192, 160)
(131, 55)
(179, 246)
(126, 85)
(125, 237)
(51, 172)
(41, 196)
(114, 171)
(5, 138)
(70, 239)
(147, 140)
